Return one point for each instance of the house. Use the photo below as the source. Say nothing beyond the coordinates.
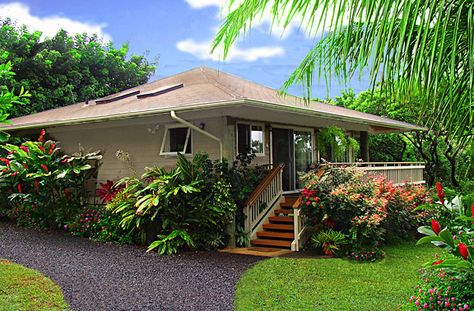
(206, 110)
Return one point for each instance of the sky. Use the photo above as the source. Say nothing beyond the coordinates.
(177, 34)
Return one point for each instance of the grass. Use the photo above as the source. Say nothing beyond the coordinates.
(333, 284)
(26, 289)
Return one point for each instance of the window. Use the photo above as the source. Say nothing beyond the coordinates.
(250, 137)
(176, 139)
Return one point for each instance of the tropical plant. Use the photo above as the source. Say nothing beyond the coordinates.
(330, 240)
(190, 205)
(334, 142)
(44, 187)
(410, 47)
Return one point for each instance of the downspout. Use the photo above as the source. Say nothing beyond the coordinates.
(197, 129)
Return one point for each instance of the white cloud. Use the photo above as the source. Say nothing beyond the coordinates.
(202, 51)
(49, 25)
(199, 4)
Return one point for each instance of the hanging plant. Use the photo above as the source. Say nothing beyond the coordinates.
(339, 142)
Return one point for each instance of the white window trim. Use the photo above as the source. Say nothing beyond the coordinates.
(189, 136)
(250, 124)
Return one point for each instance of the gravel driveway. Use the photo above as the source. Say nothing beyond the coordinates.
(97, 276)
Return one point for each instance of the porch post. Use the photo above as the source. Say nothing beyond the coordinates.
(364, 146)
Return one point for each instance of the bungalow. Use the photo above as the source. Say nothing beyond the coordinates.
(205, 110)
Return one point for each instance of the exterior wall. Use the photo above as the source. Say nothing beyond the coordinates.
(139, 140)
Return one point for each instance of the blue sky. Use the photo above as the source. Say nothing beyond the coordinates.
(177, 33)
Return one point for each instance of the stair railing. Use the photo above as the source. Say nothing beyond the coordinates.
(300, 232)
(262, 199)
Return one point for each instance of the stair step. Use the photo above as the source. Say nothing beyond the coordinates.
(275, 243)
(281, 219)
(284, 211)
(288, 202)
(276, 235)
(279, 227)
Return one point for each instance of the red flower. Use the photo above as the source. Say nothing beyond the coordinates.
(463, 251)
(6, 161)
(36, 185)
(52, 149)
(40, 138)
(24, 166)
(19, 188)
(45, 168)
(435, 226)
(440, 191)
(41, 148)
(472, 211)
(437, 262)
(25, 149)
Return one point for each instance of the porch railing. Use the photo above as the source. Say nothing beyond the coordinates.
(263, 198)
(396, 172)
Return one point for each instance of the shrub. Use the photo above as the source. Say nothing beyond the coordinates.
(97, 223)
(44, 187)
(363, 207)
(190, 205)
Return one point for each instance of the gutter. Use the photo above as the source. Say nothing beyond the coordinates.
(194, 127)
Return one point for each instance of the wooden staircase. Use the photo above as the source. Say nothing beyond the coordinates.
(279, 231)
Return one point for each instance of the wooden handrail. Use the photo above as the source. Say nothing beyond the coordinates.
(263, 185)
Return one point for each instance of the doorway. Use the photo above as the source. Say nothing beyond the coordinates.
(294, 149)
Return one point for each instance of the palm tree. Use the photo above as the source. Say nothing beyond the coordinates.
(410, 47)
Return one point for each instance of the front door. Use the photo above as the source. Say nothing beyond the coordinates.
(294, 149)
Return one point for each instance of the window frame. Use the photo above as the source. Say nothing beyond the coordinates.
(250, 124)
(189, 140)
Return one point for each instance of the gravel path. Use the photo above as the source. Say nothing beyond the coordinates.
(97, 276)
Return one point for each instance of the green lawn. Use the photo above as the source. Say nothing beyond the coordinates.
(26, 289)
(332, 284)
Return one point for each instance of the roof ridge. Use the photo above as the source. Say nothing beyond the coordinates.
(219, 84)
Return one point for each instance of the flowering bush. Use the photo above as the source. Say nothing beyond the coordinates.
(107, 191)
(364, 207)
(449, 281)
(97, 223)
(43, 186)
(442, 289)
(366, 256)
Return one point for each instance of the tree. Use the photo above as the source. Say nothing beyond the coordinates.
(8, 98)
(422, 47)
(67, 69)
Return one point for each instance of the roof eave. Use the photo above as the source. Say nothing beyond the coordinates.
(218, 104)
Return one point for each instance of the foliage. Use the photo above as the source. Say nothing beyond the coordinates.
(191, 204)
(97, 223)
(330, 240)
(332, 283)
(448, 282)
(44, 187)
(334, 142)
(27, 289)
(244, 178)
(67, 69)
(442, 290)
(411, 47)
(365, 208)
(242, 237)
(107, 191)
(8, 98)
(366, 256)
